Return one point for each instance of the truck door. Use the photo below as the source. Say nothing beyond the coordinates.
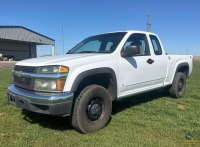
(136, 73)
(160, 61)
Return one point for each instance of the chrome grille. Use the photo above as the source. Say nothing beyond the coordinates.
(26, 83)
(22, 81)
(29, 69)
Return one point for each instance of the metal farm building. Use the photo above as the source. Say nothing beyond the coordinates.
(20, 43)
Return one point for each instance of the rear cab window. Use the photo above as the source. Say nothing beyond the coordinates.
(156, 45)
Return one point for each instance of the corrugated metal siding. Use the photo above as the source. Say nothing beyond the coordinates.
(21, 34)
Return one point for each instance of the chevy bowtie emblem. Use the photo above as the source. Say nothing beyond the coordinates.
(18, 73)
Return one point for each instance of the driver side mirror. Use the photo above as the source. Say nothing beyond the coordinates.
(130, 51)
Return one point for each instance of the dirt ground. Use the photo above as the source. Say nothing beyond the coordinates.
(7, 64)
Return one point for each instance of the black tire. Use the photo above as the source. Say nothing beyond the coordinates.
(92, 109)
(178, 86)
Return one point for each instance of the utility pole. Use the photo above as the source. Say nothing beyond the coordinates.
(148, 22)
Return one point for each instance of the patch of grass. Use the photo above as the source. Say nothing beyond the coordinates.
(150, 119)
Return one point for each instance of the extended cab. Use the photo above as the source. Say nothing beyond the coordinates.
(103, 68)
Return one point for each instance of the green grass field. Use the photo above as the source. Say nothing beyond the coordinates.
(151, 119)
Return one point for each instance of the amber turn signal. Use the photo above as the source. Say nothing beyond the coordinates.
(63, 69)
(60, 84)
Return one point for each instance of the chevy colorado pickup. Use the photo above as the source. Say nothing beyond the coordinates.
(103, 68)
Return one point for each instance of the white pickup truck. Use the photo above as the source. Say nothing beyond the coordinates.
(103, 68)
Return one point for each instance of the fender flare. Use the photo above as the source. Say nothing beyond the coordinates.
(181, 65)
(95, 71)
(178, 67)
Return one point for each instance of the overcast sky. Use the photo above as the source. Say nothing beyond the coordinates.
(177, 22)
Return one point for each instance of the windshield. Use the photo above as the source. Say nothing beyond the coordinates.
(105, 43)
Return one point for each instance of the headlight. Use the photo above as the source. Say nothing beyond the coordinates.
(53, 69)
(49, 85)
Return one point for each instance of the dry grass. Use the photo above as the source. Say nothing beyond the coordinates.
(7, 64)
(196, 58)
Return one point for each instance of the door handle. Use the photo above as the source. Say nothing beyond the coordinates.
(150, 61)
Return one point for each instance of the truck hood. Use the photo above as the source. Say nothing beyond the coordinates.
(62, 59)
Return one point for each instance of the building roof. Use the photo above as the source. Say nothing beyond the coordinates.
(22, 34)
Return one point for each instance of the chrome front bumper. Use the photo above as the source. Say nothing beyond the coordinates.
(46, 103)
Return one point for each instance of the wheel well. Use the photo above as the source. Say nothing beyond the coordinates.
(184, 69)
(103, 79)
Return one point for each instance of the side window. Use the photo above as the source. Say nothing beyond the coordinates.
(139, 40)
(156, 45)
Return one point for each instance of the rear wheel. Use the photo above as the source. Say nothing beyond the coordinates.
(92, 109)
(178, 86)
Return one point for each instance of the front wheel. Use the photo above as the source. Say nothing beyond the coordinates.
(92, 109)
(178, 86)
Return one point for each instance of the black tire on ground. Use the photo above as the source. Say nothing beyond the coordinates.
(92, 109)
(178, 86)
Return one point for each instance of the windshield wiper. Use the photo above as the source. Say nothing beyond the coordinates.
(87, 52)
